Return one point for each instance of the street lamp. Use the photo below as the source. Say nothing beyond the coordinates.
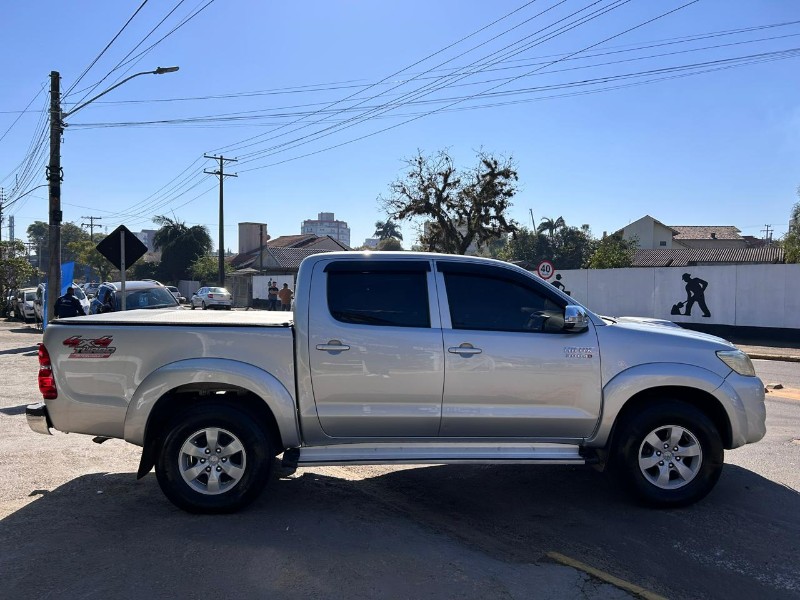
(54, 176)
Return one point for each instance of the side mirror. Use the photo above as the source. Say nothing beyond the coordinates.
(575, 319)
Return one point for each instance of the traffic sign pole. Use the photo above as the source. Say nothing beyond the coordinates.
(122, 267)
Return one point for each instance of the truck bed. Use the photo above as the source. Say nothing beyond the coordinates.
(160, 317)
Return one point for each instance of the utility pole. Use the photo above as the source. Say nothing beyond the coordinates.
(768, 234)
(222, 175)
(2, 203)
(533, 223)
(53, 173)
(11, 228)
(91, 225)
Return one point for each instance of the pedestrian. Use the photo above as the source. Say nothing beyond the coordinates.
(68, 305)
(272, 295)
(286, 297)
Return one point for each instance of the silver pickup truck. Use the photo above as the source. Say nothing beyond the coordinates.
(401, 358)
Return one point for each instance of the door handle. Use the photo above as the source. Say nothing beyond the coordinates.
(464, 350)
(333, 346)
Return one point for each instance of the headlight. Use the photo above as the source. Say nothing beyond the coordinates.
(738, 361)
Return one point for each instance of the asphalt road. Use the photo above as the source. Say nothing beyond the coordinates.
(76, 523)
(775, 371)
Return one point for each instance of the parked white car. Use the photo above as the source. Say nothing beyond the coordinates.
(23, 307)
(212, 297)
(176, 293)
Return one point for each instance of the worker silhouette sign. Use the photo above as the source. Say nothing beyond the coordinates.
(695, 293)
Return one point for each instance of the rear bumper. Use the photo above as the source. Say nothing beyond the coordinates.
(38, 418)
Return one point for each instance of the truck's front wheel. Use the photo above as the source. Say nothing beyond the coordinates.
(214, 459)
(670, 453)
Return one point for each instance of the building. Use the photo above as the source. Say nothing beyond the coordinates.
(326, 224)
(371, 243)
(663, 245)
(252, 236)
(652, 234)
(147, 236)
(285, 253)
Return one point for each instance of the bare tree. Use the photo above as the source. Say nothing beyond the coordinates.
(457, 208)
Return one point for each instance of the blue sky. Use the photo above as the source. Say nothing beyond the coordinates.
(718, 148)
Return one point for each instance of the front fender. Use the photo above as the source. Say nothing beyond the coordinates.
(211, 371)
(626, 384)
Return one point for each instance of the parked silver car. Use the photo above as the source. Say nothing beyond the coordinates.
(212, 297)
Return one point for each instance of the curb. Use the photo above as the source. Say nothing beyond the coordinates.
(789, 358)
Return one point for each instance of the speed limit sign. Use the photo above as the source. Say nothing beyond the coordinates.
(545, 269)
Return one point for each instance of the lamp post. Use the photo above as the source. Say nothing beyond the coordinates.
(54, 176)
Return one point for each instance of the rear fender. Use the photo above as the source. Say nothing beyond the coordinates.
(629, 383)
(209, 372)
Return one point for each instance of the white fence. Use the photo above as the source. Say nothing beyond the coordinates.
(742, 295)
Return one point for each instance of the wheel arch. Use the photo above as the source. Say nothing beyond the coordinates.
(639, 386)
(183, 384)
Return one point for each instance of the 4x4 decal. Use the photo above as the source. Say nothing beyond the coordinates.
(90, 348)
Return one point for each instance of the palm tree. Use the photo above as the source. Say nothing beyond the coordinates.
(180, 245)
(550, 225)
(387, 229)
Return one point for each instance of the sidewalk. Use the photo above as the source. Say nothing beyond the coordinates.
(771, 352)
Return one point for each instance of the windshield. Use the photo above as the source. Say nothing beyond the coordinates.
(155, 297)
(79, 293)
(30, 295)
(217, 291)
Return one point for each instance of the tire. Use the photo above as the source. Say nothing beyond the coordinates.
(658, 475)
(233, 477)
(192, 304)
(203, 304)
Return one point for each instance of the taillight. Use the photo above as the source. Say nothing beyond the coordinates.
(47, 383)
(211, 295)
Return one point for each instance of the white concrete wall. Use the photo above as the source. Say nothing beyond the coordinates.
(749, 295)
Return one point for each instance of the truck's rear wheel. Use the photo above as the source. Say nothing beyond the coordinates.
(214, 459)
(670, 454)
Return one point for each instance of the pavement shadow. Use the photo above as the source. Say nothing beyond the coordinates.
(30, 329)
(13, 410)
(23, 350)
(106, 535)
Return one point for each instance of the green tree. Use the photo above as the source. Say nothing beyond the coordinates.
(389, 244)
(180, 246)
(614, 252)
(143, 269)
(387, 229)
(15, 269)
(457, 208)
(572, 247)
(39, 234)
(530, 246)
(206, 269)
(791, 241)
(551, 226)
(86, 253)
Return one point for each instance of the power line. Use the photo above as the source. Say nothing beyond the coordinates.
(10, 127)
(263, 114)
(103, 51)
(459, 101)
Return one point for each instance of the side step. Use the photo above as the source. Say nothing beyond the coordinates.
(434, 453)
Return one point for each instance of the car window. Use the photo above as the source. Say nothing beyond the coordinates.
(156, 297)
(30, 295)
(498, 304)
(375, 298)
(217, 290)
(79, 293)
